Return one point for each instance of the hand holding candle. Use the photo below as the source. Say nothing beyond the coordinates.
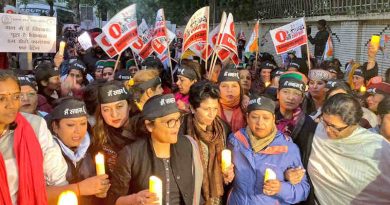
(363, 89)
(269, 175)
(226, 159)
(62, 48)
(155, 186)
(100, 169)
(67, 198)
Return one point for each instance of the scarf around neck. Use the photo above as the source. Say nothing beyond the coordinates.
(238, 120)
(286, 126)
(213, 137)
(29, 159)
(75, 156)
(259, 144)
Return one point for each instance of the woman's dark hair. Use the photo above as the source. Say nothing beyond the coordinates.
(387, 75)
(201, 91)
(345, 106)
(384, 107)
(84, 74)
(8, 74)
(90, 95)
(341, 85)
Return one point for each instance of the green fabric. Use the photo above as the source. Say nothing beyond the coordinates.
(292, 75)
(110, 64)
(130, 63)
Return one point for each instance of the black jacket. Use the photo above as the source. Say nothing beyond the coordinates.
(319, 42)
(302, 136)
(137, 162)
(83, 169)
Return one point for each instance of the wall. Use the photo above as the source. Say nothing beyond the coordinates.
(350, 35)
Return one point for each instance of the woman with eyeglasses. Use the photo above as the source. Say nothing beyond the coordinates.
(29, 96)
(111, 130)
(261, 156)
(163, 153)
(348, 164)
(210, 133)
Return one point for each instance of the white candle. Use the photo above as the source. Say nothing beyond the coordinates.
(226, 159)
(62, 48)
(100, 169)
(67, 198)
(269, 175)
(155, 186)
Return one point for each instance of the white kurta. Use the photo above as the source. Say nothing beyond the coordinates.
(54, 164)
(352, 170)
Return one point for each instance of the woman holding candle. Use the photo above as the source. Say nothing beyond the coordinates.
(111, 131)
(210, 133)
(172, 158)
(68, 123)
(258, 147)
(231, 97)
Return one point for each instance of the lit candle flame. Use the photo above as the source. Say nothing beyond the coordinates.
(226, 159)
(67, 198)
(155, 186)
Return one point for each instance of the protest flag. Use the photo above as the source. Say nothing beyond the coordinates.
(121, 30)
(253, 43)
(143, 45)
(195, 35)
(328, 52)
(228, 40)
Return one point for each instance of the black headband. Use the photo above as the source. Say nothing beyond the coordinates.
(149, 84)
(229, 75)
(187, 72)
(112, 92)
(159, 106)
(70, 108)
(261, 103)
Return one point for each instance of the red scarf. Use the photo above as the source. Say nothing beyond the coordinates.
(238, 119)
(29, 158)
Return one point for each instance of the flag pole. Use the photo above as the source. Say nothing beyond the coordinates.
(307, 48)
(169, 52)
(117, 61)
(258, 44)
(207, 37)
(135, 60)
(221, 28)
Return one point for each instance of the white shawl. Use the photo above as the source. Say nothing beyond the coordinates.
(352, 170)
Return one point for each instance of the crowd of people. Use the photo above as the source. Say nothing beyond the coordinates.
(322, 129)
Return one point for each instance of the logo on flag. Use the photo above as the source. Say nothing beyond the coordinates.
(102, 41)
(143, 45)
(195, 34)
(289, 36)
(121, 30)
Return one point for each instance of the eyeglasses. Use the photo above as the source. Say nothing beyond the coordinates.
(28, 95)
(173, 122)
(13, 96)
(338, 129)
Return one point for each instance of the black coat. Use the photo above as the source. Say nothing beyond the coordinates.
(83, 169)
(319, 42)
(137, 162)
